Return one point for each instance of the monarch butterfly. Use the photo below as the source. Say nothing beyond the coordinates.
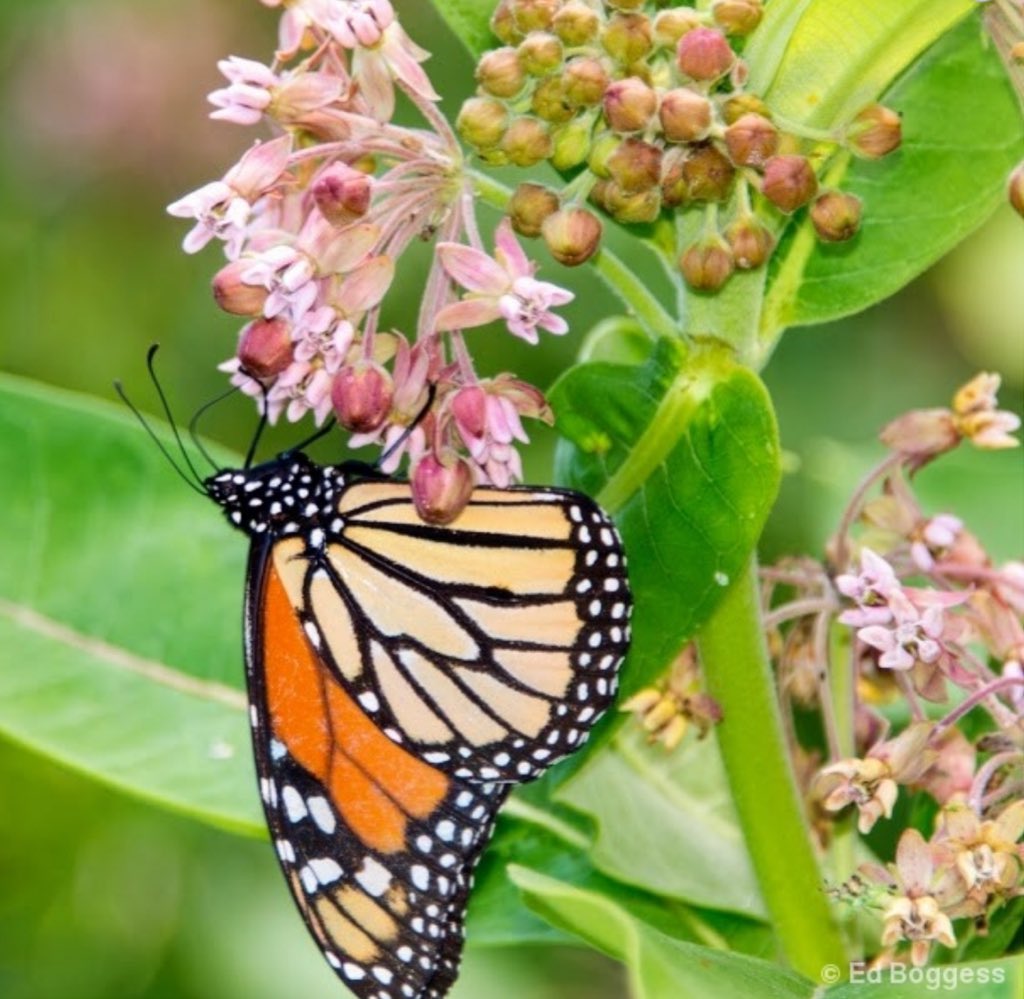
(402, 678)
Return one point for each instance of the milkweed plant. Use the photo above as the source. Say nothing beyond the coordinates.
(825, 754)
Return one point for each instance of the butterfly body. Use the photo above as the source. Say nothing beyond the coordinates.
(402, 678)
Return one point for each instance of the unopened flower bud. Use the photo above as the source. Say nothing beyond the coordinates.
(671, 25)
(585, 80)
(740, 104)
(572, 235)
(707, 265)
(751, 243)
(685, 115)
(503, 24)
(540, 53)
(708, 174)
(643, 206)
(441, 487)
(704, 54)
(482, 122)
(342, 194)
(737, 17)
(361, 395)
(836, 216)
(635, 165)
(751, 140)
(674, 190)
(576, 24)
(527, 142)
(921, 434)
(548, 101)
(1015, 189)
(600, 151)
(627, 38)
(529, 206)
(233, 295)
(500, 72)
(789, 182)
(571, 145)
(265, 348)
(629, 105)
(874, 132)
(626, 5)
(534, 15)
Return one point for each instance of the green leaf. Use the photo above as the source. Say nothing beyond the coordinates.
(684, 452)
(658, 964)
(959, 143)
(120, 607)
(470, 20)
(650, 807)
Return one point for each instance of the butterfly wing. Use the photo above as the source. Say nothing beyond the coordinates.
(377, 845)
(488, 647)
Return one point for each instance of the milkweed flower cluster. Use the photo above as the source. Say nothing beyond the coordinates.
(645, 107)
(313, 222)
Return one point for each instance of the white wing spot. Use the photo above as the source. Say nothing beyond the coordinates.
(374, 877)
(278, 751)
(368, 699)
(327, 871)
(353, 972)
(446, 830)
(424, 844)
(420, 876)
(309, 881)
(322, 814)
(293, 804)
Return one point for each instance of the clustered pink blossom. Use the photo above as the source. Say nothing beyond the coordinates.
(313, 221)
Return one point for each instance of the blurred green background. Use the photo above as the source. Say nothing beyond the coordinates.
(102, 897)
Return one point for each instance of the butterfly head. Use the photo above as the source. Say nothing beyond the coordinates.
(280, 496)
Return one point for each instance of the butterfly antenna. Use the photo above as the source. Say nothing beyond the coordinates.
(407, 433)
(150, 355)
(261, 426)
(119, 388)
(193, 424)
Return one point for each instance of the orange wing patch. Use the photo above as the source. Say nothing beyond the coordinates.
(374, 784)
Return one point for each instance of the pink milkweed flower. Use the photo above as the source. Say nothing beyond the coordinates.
(301, 388)
(502, 287)
(395, 56)
(248, 94)
(871, 589)
(356, 23)
(913, 638)
(323, 337)
(289, 276)
(937, 536)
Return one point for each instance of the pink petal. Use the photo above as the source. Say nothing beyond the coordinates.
(339, 253)
(467, 314)
(509, 253)
(374, 82)
(473, 269)
(877, 637)
(553, 324)
(914, 861)
(260, 167)
(401, 56)
(366, 286)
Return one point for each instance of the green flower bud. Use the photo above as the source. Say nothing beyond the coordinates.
(708, 174)
(751, 140)
(500, 72)
(635, 166)
(572, 235)
(534, 15)
(482, 122)
(874, 132)
(1015, 189)
(626, 5)
(674, 189)
(740, 104)
(572, 145)
(629, 105)
(600, 150)
(527, 142)
(789, 182)
(549, 100)
(704, 54)
(671, 25)
(529, 206)
(540, 53)
(585, 82)
(836, 216)
(750, 242)
(503, 24)
(644, 206)
(737, 17)
(685, 115)
(577, 24)
(707, 265)
(628, 37)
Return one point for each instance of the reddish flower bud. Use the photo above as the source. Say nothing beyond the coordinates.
(585, 82)
(572, 235)
(441, 487)
(265, 347)
(1015, 189)
(704, 54)
(875, 131)
(627, 38)
(540, 53)
(529, 206)
(643, 206)
(707, 265)
(503, 24)
(685, 115)
(501, 73)
(751, 140)
(576, 24)
(751, 243)
(708, 174)
(233, 295)
(342, 194)
(534, 15)
(737, 17)
(671, 25)
(361, 395)
(527, 142)
(740, 104)
(469, 407)
(635, 165)
(629, 104)
(836, 216)
(789, 182)
(921, 435)
(482, 122)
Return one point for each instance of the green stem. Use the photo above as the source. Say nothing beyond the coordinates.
(616, 274)
(739, 677)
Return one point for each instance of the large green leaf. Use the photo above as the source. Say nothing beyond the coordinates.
(120, 605)
(684, 452)
(960, 140)
(470, 20)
